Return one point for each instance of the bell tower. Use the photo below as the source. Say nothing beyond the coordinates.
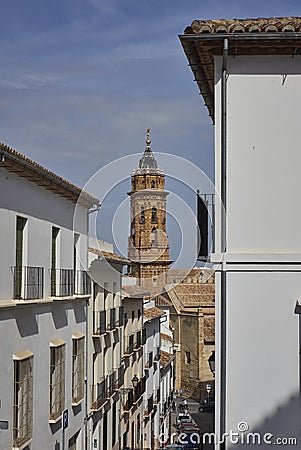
(148, 248)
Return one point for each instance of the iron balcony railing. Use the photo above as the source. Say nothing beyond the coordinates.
(149, 361)
(28, 282)
(120, 377)
(138, 340)
(157, 397)
(157, 354)
(99, 322)
(98, 394)
(143, 336)
(82, 283)
(139, 390)
(120, 321)
(62, 282)
(129, 344)
(129, 402)
(112, 324)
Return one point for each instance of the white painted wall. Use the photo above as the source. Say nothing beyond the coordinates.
(33, 325)
(106, 348)
(153, 379)
(262, 262)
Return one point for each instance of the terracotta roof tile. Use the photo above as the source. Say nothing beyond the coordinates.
(160, 300)
(204, 39)
(166, 337)
(108, 255)
(134, 292)
(152, 313)
(260, 25)
(195, 294)
(165, 357)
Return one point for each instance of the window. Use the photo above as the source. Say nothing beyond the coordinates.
(23, 399)
(105, 293)
(187, 357)
(57, 379)
(142, 215)
(20, 225)
(78, 367)
(55, 232)
(153, 184)
(114, 421)
(74, 441)
(154, 215)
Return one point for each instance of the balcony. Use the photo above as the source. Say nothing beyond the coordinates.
(149, 407)
(157, 354)
(111, 384)
(143, 336)
(99, 323)
(82, 283)
(98, 394)
(112, 324)
(157, 397)
(138, 340)
(62, 282)
(149, 361)
(120, 377)
(28, 282)
(129, 403)
(120, 321)
(128, 344)
(139, 390)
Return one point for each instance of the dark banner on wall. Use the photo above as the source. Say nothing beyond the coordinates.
(202, 218)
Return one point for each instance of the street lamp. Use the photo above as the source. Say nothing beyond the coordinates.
(211, 361)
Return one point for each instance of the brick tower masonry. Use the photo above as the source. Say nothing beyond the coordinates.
(148, 248)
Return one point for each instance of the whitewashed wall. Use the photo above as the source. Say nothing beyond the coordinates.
(263, 259)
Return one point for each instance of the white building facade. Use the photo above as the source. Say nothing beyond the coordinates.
(249, 73)
(105, 347)
(132, 424)
(43, 305)
(151, 354)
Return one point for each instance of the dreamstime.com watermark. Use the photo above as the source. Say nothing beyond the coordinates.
(242, 436)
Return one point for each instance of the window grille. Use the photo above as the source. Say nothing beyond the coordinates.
(23, 402)
(57, 381)
(78, 369)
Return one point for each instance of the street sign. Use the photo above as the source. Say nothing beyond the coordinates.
(65, 419)
(208, 388)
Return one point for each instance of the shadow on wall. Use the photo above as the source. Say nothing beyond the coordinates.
(277, 429)
(27, 320)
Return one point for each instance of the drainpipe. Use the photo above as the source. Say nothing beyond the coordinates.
(223, 243)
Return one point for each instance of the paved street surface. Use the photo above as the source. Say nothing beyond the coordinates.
(205, 421)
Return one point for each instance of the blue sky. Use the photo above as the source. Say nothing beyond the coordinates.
(81, 80)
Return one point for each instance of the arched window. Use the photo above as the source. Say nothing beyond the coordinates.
(153, 184)
(142, 215)
(154, 215)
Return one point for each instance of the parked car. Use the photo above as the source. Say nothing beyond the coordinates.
(191, 438)
(185, 426)
(175, 447)
(182, 416)
(183, 407)
(207, 405)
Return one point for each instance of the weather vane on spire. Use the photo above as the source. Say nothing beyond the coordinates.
(148, 141)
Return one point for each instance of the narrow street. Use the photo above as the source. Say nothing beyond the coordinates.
(205, 421)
